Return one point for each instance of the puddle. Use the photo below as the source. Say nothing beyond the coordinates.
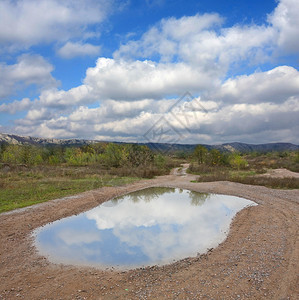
(147, 227)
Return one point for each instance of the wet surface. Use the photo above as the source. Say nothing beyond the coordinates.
(147, 227)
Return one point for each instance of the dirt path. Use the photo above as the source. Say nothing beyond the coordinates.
(258, 260)
(182, 171)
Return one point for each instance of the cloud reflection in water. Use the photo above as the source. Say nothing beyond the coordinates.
(151, 226)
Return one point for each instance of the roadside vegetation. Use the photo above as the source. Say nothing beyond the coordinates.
(32, 174)
(245, 168)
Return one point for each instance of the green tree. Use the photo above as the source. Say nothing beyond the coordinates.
(237, 161)
(113, 155)
(214, 157)
(200, 153)
(160, 161)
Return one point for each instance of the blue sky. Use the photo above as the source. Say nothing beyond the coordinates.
(116, 70)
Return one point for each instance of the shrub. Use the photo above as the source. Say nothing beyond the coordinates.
(238, 162)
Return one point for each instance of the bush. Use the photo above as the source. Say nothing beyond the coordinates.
(238, 162)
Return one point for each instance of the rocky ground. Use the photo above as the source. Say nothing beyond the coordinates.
(258, 260)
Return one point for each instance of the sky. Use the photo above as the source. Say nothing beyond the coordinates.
(206, 71)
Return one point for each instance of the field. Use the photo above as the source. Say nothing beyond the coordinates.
(31, 174)
(22, 186)
(253, 169)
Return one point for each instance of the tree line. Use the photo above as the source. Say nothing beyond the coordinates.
(109, 155)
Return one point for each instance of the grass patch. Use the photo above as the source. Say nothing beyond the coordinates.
(248, 177)
(277, 183)
(24, 187)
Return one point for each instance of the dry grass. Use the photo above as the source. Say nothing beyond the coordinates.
(257, 164)
(278, 183)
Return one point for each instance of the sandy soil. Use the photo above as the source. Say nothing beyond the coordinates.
(258, 260)
(280, 173)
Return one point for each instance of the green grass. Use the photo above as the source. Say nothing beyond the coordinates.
(20, 188)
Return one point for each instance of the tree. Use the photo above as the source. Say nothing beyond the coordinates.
(200, 153)
(237, 161)
(160, 161)
(214, 157)
(113, 155)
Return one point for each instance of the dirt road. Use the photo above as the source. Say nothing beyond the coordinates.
(258, 260)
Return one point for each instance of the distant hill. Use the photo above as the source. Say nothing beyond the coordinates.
(227, 147)
(164, 147)
(28, 140)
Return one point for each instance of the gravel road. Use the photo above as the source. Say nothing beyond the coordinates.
(258, 260)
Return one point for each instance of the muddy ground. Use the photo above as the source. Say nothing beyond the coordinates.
(258, 260)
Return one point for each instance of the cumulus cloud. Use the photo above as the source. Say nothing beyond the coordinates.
(165, 37)
(130, 91)
(55, 98)
(204, 41)
(257, 106)
(29, 69)
(27, 23)
(132, 80)
(70, 50)
(285, 20)
(15, 106)
(199, 40)
(275, 86)
(259, 122)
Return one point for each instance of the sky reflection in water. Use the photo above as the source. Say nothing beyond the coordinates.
(147, 227)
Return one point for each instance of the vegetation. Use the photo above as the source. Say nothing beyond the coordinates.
(32, 174)
(104, 155)
(244, 168)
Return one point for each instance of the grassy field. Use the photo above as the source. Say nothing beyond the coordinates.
(33, 174)
(22, 186)
(256, 165)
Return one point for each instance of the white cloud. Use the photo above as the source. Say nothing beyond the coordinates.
(255, 106)
(165, 38)
(133, 80)
(195, 55)
(38, 114)
(199, 40)
(15, 106)
(130, 81)
(70, 50)
(29, 69)
(29, 22)
(275, 86)
(55, 98)
(285, 20)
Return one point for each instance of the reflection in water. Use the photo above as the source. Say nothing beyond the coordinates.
(198, 198)
(151, 226)
(146, 195)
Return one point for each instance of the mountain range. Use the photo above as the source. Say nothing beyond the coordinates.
(164, 147)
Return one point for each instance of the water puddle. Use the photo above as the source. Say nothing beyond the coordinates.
(147, 227)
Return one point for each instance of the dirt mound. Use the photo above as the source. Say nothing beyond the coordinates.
(280, 173)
